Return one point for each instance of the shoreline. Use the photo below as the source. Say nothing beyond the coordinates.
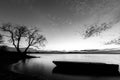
(6, 60)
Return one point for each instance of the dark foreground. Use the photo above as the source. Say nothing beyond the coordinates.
(6, 59)
(86, 68)
(62, 68)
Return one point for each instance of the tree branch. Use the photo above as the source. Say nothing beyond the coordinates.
(12, 37)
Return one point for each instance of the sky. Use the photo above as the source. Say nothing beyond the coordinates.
(63, 22)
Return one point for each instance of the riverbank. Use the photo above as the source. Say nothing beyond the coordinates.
(6, 59)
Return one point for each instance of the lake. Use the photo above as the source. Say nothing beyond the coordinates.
(44, 66)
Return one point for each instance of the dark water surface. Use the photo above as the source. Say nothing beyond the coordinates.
(45, 68)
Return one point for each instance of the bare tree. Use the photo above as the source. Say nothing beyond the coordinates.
(93, 30)
(19, 32)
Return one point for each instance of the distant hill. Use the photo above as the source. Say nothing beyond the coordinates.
(92, 51)
(103, 51)
(22, 49)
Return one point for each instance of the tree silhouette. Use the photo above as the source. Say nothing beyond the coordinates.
(19, 32)
(3, 48)
(95, 29)
(1, 37)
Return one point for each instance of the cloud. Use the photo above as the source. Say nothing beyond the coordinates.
(104, 13)
(93, 30)
(114, 41)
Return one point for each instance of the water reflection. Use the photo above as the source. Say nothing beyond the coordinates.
(44, 67)
(34, 66)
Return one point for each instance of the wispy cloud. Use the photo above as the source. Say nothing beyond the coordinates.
(105, 14)
(93, 30)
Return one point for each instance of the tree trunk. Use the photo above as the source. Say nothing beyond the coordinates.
(18, 50)
(25, 52)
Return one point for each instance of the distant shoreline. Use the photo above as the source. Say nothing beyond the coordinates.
(71, 53)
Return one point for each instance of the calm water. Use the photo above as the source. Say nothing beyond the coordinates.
(43, 66)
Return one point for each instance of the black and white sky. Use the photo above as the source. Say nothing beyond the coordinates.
(62, 21)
